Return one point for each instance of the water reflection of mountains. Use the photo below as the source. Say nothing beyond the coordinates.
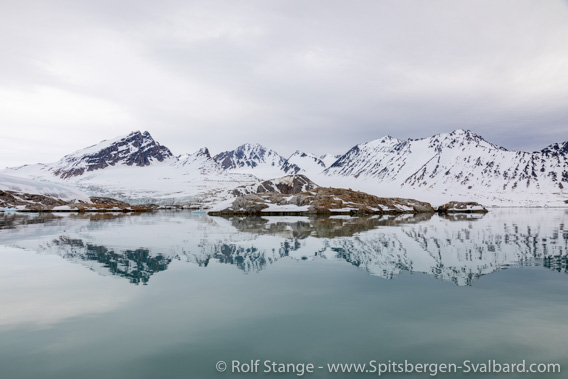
(459, 251)
(322, 227)
(136, 265)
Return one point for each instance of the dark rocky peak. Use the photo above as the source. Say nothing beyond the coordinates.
(135, 149)
(556, 149)
(248, 155)
(204, 152)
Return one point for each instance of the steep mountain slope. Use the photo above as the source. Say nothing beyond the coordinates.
(329, 159)
(257, 160)
(459, 163)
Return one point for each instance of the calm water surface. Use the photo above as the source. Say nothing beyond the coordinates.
(168, 295)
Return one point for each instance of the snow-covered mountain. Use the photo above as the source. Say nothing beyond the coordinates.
(309, 163)
(257, 160)
(459, 164)
(135, 149)
(201, 161)
(329, 159)
(136, 168)
(138, 149)
(556, 149)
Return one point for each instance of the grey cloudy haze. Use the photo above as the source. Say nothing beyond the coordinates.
(319, 76)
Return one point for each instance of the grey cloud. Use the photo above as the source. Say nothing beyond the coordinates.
(319, 76)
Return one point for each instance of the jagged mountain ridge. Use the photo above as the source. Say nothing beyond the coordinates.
(451, 160)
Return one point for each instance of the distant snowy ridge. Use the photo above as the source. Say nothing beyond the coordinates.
(329, 159)
(257, 160)
(310, 164)
(201, 160)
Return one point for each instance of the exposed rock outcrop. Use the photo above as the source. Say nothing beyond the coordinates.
(27, 202)
(13, 199)
(291, 184)
(108, 201)
(321, 201)
(556, 149)
(462, 207)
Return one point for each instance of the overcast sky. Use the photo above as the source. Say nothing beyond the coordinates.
(319, 76)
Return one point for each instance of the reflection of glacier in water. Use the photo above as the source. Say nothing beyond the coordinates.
(459, 248)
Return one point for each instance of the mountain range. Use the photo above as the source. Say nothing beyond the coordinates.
(459, 165)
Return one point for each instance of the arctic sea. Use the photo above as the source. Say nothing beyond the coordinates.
(176, 295)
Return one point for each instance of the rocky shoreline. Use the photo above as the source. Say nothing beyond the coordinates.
(461, 207)
(12, 201)
(293, 200)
